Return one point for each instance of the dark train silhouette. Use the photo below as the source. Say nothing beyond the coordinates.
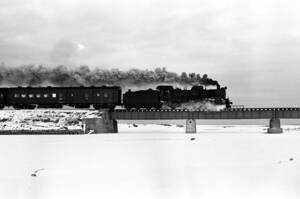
(56, 97)
(107, 97)
(173, 97)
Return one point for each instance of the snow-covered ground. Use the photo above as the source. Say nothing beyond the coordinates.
(153, 161)
(44, 119)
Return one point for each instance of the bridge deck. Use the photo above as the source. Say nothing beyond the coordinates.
(240, 113)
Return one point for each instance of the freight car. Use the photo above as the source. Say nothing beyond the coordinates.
(56, 97)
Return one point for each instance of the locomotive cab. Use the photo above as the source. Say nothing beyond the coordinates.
(196, 93)
(166, 92)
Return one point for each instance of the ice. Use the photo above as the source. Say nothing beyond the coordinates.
(149, 161)
(169, 164)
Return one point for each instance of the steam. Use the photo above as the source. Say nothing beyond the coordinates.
(31, 75)
(201, 106)
(197, 106)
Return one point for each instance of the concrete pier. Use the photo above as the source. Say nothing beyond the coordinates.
(190, 126)
(102, 124)
(274, 126)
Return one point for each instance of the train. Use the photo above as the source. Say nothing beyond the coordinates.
(107, 97)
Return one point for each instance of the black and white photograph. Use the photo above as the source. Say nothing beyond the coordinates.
(149, 99)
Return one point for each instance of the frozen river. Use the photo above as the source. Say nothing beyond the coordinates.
(225, 159)
(153, 161)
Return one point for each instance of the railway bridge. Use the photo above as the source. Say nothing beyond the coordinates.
(108, 123)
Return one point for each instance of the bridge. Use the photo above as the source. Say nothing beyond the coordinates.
(109, 120)
(243, 113)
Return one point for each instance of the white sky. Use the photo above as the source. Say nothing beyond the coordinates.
(251, 46)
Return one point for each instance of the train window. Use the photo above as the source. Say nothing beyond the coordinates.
(46, 95)
(86, 95)
(98, 94)
(23, 95)
(38, 95)
(72, 94)
(105, 95)
(30, 95)
(16, 95)
(60, 95)
(53, 95)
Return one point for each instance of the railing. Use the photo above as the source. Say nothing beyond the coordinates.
(242, 113)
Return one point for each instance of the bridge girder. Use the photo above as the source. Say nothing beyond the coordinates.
(245, 113)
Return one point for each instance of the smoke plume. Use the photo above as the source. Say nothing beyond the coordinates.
(31, 75)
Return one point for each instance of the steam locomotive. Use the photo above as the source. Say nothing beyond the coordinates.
(106, 97)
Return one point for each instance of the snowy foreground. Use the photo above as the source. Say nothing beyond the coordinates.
(153, 161)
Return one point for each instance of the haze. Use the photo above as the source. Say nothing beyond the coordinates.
(250, 46)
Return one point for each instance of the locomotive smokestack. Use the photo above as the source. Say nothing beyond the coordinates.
(30, 75)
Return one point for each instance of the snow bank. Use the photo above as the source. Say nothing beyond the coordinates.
(44, 119)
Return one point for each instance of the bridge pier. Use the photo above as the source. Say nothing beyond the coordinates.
(102, 124)
(275, 126)
(190, 126)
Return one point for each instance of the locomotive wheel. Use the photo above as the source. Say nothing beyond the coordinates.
(158, 106)
(82, 106)
(111, 107)
(99, 106)
(30, 106)
(55, 105)
(58, 105)
(96, 106)
(44, 106)
(18, 106)
(128, 108)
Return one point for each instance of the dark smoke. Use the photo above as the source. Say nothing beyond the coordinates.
(31, 75)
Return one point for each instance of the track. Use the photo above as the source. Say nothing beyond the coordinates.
(167, 110)
(225, 110)
(235, 113)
